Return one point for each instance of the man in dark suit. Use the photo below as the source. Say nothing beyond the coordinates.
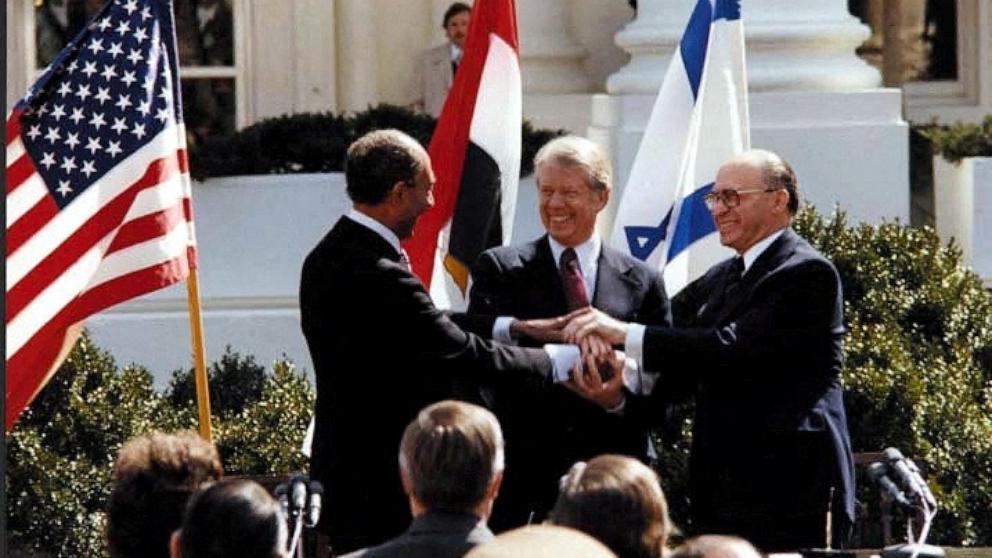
(381, 350)
(451, 465)
(759, 342)
(547, 426)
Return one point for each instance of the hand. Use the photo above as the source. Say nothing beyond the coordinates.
(595, 346)
(545, 330)
(589, 383)
(588, 321)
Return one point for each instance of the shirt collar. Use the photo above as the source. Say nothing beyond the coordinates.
(456, 53)
(377, 227)
(587, 253)
(752, 253)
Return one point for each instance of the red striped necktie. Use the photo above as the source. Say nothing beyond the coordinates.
(572, 281)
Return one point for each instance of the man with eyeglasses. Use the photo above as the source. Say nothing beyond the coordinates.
(758, 342)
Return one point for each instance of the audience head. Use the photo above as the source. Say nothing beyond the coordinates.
(542, 541)
(154, 476)
(755, 194)
(233, 518)
(389, 176)
(715, 546)
(455, 23)
(617, 500)
(451, 459)
(574, 179)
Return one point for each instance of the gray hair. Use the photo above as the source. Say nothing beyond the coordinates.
(581, 153)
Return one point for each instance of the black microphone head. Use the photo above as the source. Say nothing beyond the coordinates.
(316, 487)
(877, 470)
(892, 454)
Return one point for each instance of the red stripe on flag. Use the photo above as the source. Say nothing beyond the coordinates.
(13, 127)
(183, 159)
(84, 238)
(27, 367)
(18, 172)
(146, 227)
(29, 223)
(449, 144)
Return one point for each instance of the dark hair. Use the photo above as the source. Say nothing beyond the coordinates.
(617, 500)
(452, 11)
(777, 173)
(377, 161)
(451, 452)
(236, 518)
(154, 475)
(723, 546)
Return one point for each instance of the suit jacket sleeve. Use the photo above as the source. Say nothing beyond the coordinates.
(789, 309)
(432, 334)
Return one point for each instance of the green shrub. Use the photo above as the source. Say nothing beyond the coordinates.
(961, 140)
(60, 454)
(309, 142)
(917, 371)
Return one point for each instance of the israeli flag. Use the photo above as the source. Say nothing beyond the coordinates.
(699, 121)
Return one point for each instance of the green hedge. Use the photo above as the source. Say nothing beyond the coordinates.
(309, 142)
(961, 140)
(60, 454)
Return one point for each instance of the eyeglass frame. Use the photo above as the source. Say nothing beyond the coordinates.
(710, 198)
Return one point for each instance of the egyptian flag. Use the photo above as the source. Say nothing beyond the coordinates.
(476, 157)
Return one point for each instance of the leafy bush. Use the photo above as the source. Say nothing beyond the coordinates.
(918, 371)
(61, 452)
(309, 142)
(962, 139)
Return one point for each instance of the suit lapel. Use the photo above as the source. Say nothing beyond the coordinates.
(613, 284)
(545, 280)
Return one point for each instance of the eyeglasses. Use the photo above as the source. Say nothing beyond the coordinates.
(730, 198)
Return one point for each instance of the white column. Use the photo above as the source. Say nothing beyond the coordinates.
(791, 45)
(811, 99)
(20, 49)
(358, 85)
(551, 60)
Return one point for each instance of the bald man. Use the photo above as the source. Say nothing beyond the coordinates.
(758, 342)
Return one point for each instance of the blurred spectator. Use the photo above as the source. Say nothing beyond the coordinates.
(436, 66)
(451, 466)
(618, 500)
(542, 541)
(715, 546)
(154, 475)
(234, 518)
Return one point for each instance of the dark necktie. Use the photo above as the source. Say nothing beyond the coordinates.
(572, 281)
(734, 274)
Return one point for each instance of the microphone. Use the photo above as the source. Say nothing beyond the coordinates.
(878, 473)
(299, 495)
(909, 475)
(283, 499)
(313, 510)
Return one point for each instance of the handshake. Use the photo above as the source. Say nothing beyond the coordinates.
(588, 365)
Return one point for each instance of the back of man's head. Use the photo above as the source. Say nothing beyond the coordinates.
(377, 161)
(234, 518)
(619, 501)
(715, 546)
(154, 475)
(451, 455)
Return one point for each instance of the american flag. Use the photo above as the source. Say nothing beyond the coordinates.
(98, 189)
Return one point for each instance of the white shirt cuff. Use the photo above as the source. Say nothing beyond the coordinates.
(501, 330)
(563, 359)
(633, 345)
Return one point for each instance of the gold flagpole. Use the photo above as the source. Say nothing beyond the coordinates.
(199, 354)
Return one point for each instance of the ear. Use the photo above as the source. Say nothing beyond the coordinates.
(604, 198)
(405, 480)
(782, 200)
(175, 544)
(397, 192)
(494, 486)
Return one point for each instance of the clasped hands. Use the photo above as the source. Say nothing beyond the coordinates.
(598, 374)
